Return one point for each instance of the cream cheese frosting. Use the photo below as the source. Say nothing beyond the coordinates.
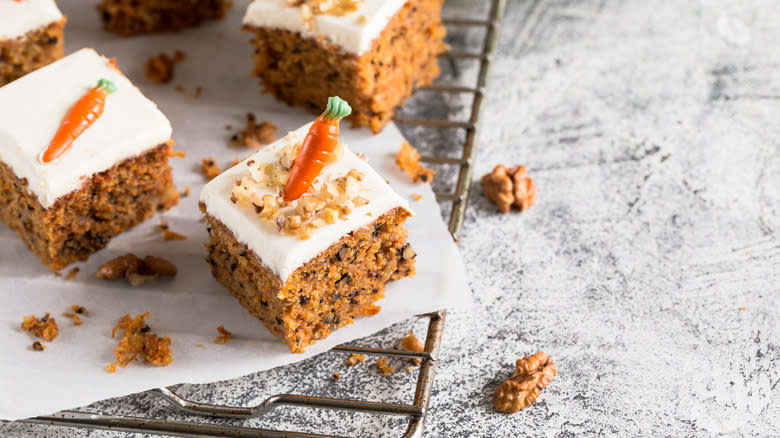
(18, 18)
(33, 107)
(353, 32)
(284, 253)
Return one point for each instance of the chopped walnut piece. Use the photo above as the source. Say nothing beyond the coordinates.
(254, 134)
(138, 341)
(160, 68)
(44, 327)
(409, 160)
(136, 271)
(37, 346)
(507, 187)
(355, 359)
(224, 335)
(210, 167)
(411, 343)
(384, 366)
(532, 373)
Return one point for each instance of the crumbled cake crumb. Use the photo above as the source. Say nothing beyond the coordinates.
(175, 153)
(44, 327)
(409, 368)
(198, 92)
(254, 134)
(185, 192)
(335, 377)
(136, 270)
(507, 187)
(355, 359)
(72, 273)
(76, 320)
(180, 89)
(409, 160)
(160, 68)
(210, 167)
(138, 342)
(224, 335)
(79, 310)
(411, 343)
(384, 366)
(38, 346)
(532, 373)
(416, 197)
(172, 235)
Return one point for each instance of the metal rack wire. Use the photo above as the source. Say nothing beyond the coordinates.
(416, 411)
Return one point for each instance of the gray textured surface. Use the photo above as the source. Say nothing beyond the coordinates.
(651, 129)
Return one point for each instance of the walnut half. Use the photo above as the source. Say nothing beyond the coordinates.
(507, 187)
(532, 373)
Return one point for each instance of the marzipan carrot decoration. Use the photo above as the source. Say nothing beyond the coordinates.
(80, 117)
(317, 149)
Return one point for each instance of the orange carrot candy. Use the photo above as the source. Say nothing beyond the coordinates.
(80, 117)
(317, 149)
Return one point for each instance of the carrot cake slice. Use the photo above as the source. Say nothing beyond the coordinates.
(305, 239)
(30, 36)
(373, 53)
(133, 17)
(83, 157)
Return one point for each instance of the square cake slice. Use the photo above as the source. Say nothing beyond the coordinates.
(30, 36)
(133, 17)
(312, 265)
(372, 53)
(114, 175)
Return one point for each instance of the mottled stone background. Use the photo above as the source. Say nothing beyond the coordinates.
(651, 129)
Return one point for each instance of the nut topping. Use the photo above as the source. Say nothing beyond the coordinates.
(507, 187)
(532, 373)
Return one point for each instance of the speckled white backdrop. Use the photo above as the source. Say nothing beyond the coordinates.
(652, 130)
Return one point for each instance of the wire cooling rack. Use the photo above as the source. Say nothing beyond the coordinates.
(415, 412)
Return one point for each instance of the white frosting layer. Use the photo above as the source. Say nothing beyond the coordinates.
(33, 107)
(18, 18)
(350, 32)
(280, 252)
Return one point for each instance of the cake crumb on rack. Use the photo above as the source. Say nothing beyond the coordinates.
(335, 377)
(210, 167)
(224, 335)
(409, 160)
(384, 366)
(532, 373)
(507, 187)
(44, 327)
(138, 342)
(160, 68)
(355, 359)
(254, 134)
(411, 343)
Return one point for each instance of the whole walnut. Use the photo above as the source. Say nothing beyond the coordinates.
(508, 187)
(532, 373)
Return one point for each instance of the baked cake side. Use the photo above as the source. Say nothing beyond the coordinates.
(310, 265)
(303, 67)
(110, 175)
(31, 36)
(85, 220)
(133, 17)
(340, 284)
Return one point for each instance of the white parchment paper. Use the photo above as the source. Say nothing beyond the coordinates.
(70, 372)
